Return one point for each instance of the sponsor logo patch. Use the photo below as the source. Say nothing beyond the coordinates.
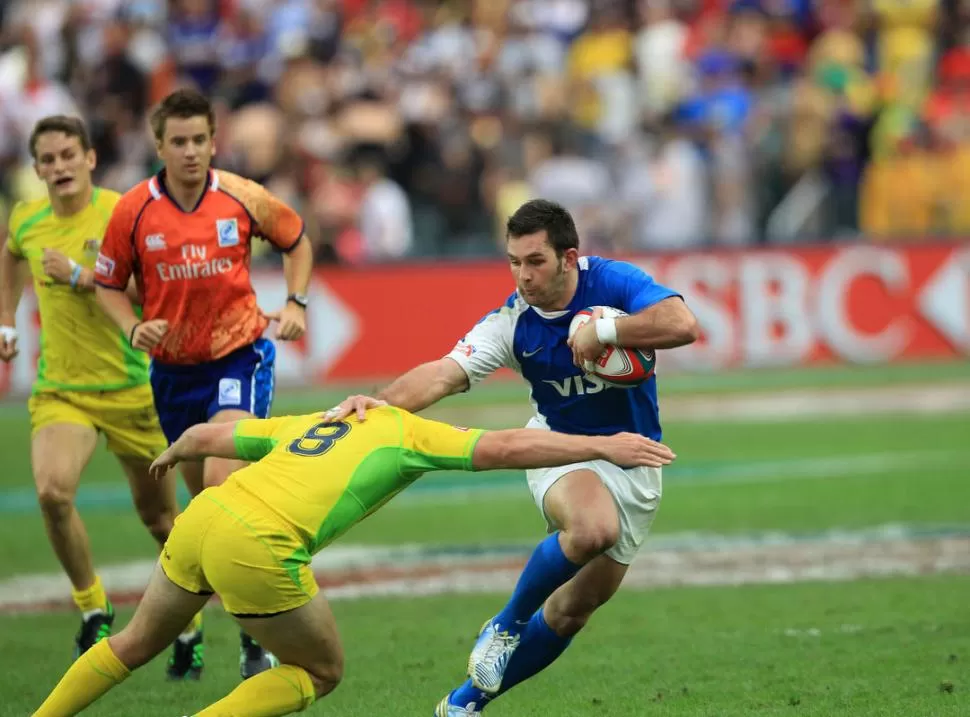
(104, 266)
(230, 392)
(228, 232)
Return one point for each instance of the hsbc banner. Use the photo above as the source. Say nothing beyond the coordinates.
(819, 304)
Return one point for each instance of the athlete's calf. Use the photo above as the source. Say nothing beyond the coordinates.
(572, 605)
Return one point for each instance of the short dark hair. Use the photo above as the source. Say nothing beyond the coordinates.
(538, 214)
(182, 104)
(71, 126)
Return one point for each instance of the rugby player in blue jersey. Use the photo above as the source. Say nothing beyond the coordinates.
(599, 512)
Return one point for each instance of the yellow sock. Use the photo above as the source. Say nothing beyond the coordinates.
(92, 598)
(92, 674)
(194, 626)
(280, 691)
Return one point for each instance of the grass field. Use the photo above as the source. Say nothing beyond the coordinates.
(898, 644)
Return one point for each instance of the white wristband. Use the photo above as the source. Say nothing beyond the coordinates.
(606, 331)
(8, 333)
(76, 270)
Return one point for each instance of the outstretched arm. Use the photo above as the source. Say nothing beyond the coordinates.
(200, 441)
(413, 391)
(425, 385)
(486, 348)
(536, 448)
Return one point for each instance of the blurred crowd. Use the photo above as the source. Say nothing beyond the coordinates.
(403, 128)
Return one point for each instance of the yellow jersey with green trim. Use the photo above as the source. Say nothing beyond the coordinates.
(81, 349)
(323, 477)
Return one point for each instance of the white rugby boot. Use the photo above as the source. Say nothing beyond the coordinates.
(490, 657)
(446, 709)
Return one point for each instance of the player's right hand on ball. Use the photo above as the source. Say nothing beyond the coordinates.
(358, 404)
(8, 343)
(631, 449)
(148, 333)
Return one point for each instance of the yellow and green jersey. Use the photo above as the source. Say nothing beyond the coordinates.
(81, 349)
(324, 477)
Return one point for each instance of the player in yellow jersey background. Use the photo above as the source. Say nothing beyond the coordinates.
(250, 540)
(89, 379)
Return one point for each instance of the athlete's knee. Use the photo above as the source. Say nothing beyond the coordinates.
(591, 536)
(54, 494)
(327, 674)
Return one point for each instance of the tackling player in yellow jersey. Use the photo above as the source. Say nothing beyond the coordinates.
(89, 380)
(251, 539)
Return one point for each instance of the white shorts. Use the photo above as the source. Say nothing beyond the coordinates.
(636, 491)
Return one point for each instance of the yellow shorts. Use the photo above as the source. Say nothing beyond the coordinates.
(127, 417)
(229, 543)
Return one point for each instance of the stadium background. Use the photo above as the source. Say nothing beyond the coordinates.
(799, 169)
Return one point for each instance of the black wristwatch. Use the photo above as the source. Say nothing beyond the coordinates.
(299, 299)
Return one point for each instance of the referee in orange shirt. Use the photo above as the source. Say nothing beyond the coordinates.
(185, 236)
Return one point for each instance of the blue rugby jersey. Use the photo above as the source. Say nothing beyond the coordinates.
(533, 343)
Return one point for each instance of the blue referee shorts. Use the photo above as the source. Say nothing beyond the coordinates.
(188, 395)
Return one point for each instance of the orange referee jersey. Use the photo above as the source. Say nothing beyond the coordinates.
(192, 268)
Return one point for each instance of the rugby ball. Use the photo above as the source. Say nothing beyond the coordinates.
(616, 366)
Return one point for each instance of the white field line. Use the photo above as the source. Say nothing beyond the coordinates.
(681, 565)
(686, 559)
(801, 404)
